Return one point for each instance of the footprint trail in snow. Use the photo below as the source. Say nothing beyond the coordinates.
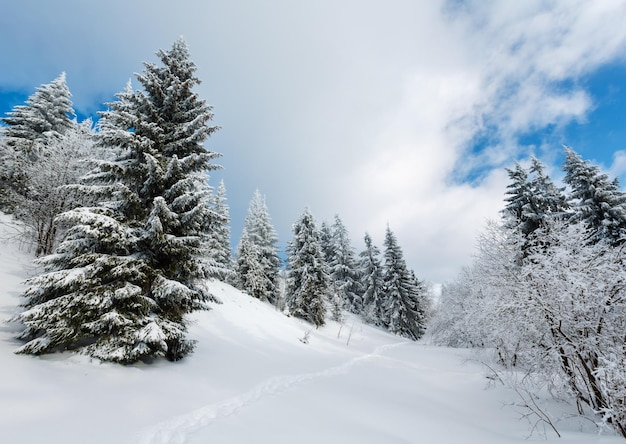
(178, 429)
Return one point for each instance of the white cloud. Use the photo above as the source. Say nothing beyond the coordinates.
(361, 108)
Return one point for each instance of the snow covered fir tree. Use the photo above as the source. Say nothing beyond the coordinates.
(220, 248)
(324, 279)
(257, 260)
(344, 273)
(307, 273)
(41, 150)
(129, 229)
(133, 263)
(403, 308)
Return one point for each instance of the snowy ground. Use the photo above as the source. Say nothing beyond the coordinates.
(252, 380)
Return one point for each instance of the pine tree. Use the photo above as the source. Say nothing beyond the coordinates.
(372, 272)
(403, 314)
(307, 275)
(343, 268)
(131, 267)
(259, 231)
(597, 201)
(28, 130)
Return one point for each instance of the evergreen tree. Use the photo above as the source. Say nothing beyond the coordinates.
(131, 267)
(307, 275)
(259, 231)
(372, 272)
(596, 200)
(533, 201)
(518, 192)
(326, 242)
(343, 268)
(403, 314)
(548, 201)
(28, 130)
(220, 233)
(47, 115)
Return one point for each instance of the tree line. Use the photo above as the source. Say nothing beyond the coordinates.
(546, 292)
(324, 276)
(127, 228)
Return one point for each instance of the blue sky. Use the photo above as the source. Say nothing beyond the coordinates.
(398, 112)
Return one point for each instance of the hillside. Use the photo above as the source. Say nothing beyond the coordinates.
(253, 380)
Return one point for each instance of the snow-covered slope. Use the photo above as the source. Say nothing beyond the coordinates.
(253, 380)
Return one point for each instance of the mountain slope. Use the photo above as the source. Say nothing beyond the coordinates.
(252, 379)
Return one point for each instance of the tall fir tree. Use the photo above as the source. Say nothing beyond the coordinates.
(373, 284)
(548, 201)
(403, 314)
(326, 242)
(28, 129)
(534, 200)
(307, 273)
(134, 264)
(518, 195)
(251, 275)
(343, 268)
(596, 201)
(220, 234)
(259, 232)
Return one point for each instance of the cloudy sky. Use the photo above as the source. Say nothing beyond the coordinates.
(384, 112)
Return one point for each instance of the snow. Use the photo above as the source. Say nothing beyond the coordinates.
(252, 380)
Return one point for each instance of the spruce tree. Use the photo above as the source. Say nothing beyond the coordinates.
(28, 129)
(403, 314)
(548, 201)
(253, 279)
(220, 234)
(343, 268)
(597, 201)
(518, 195)
(133, 264)
(534, 200)
(259, 231)
(373, 284)
(307, 274)
(326, 242)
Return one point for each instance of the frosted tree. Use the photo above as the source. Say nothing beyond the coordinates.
(133, 265)
(372, 273)
(253, 279)
(326, 242)
(220, 233)
(596, 201)
(259, 231)
(402, 312)
(557, 314)
(343, 268)
(28, 129)
(307, 274)
(63, 162)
